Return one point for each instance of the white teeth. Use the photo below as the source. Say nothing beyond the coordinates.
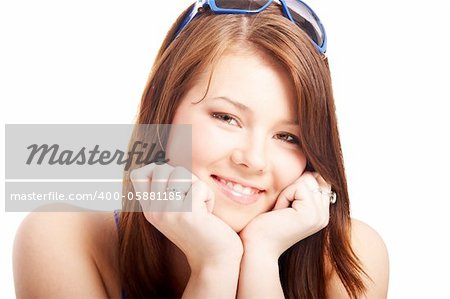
(247, 191)
(238, 187)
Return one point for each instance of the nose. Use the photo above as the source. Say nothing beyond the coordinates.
(251, 154)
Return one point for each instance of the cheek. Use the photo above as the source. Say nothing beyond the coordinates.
(201, 150)
(179, 145)
(288, 168)
(208, 144)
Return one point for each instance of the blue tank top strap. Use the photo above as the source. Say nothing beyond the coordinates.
(116, 217)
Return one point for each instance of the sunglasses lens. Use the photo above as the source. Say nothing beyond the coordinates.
(241, 5)
(305, 19)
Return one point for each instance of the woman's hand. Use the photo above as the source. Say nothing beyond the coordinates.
(205, 239)
(299, 212)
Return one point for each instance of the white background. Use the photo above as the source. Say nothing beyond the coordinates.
(87, 62)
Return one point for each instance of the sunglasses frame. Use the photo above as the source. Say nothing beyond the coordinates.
(201, 5)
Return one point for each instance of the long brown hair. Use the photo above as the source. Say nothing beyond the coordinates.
(143, 255)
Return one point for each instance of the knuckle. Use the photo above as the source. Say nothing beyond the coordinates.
(134, 175)
(307, 179)
(161, 172)
(310, 175)
(299, 188)
(157, 169)
(302, 177)
(166, 167)
(300, 184)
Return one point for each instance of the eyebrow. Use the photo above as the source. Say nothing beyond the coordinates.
(244, 108)
(238, 105)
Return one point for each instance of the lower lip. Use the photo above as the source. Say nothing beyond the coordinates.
(236, 196)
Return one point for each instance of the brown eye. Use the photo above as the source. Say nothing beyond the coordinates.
(224, 117)
(289, 138)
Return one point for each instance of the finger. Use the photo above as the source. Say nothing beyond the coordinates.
(202, 198)
(158, 186)
(324, 186)
(295, 191)
(307, 192)
(160, 178)
(140, 177)
(209, 201)
(317, 186)
(307, 186)
(187, 202)
(178, 186)
(285, 198)
(180, 179)
(309, 178)
(326, 190)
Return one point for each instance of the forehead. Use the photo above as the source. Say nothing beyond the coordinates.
(252, 78)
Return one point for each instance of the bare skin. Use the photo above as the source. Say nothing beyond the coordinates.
(75, 254)
(66, 255)
(57, 249)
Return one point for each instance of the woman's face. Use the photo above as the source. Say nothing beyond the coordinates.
(244, 135)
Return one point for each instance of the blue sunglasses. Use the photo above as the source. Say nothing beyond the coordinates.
(295, 10)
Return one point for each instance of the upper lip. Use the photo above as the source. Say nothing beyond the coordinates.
(240, 182)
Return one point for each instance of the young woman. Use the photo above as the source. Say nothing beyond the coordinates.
(270, 209)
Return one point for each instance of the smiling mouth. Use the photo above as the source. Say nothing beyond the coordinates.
(237, 192)
(243, 189)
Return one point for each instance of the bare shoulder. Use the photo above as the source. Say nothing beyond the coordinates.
(371, 250)
(66, 254)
